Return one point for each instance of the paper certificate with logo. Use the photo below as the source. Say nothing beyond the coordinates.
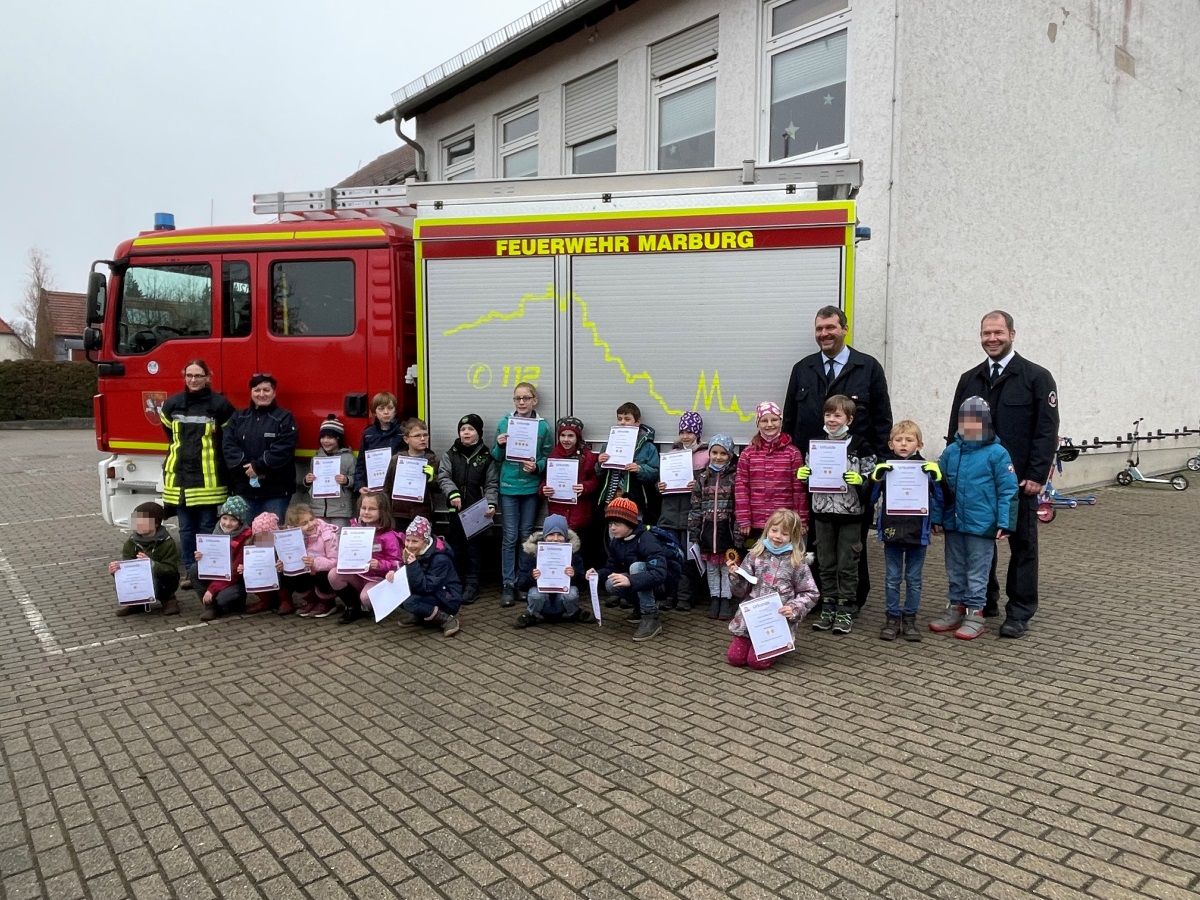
(907, 489)
(289, 545)
(474, 518)
(522, 442)
(325, 470)
(593, 581)
(552, 561)
(410, 481)
(355, 546)
(770, 632)
(387, 596)
(377, 466)
(827, 460)
(258, 569)
(135, 582)
(622, 442)
(562, 475)
(675, 471)
(214, 561)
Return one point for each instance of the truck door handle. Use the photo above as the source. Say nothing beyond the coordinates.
(110, 369)
(354, 406)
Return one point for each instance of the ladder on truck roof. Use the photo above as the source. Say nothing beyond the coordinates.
(834, 180)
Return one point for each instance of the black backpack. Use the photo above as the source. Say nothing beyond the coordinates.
(674, 557)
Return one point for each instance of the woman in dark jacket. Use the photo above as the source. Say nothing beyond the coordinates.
(260, 450)
(195, 482)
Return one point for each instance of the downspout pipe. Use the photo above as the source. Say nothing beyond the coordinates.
(422, 172)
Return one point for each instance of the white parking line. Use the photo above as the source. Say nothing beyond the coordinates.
(133, 637)
(40, 629)
(52, 519)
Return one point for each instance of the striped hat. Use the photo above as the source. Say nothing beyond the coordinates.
(623, 510)
(332, 425)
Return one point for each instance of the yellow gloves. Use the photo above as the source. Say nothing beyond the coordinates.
(880, 470)
(803, 472)
(852, 478)
(933, 469)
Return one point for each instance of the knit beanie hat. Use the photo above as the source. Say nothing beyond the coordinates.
(691, 422)
(555, 525)
(265, 522)
(570, 423)
(236, 507)
(332, 426)
(977, 408)
(766, 407)
(420, 527)
(474, 421)
(721, 440)
(622, 509)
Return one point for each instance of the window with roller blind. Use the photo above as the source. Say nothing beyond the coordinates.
(590, 122)
(683, 87)
(805, 76)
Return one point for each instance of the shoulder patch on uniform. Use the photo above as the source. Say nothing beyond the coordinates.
(1011, 469)
(1052, 399)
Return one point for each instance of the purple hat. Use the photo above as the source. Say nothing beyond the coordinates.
(691, 422)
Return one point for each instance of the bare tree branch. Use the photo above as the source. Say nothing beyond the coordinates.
(35, 322)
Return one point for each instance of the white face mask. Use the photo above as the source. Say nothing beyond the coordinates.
(840, 431)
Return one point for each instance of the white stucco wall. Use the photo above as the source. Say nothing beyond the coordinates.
(1035, 176)
(11, 347)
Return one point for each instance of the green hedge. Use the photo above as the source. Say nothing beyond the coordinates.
(36, 389)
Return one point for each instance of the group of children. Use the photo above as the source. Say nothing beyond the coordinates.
(758, 499)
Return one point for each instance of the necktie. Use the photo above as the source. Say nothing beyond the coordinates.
(995, 371)
(829, 371)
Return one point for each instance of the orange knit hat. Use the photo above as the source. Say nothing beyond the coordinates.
(623, 510)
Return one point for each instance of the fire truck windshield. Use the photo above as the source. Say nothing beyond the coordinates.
(159, 303)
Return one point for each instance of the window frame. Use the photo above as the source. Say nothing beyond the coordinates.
(572, 149)
(505, 150)
(819, 29)
(662, 88)
(275, 262)
(121, 338)
(458, 170)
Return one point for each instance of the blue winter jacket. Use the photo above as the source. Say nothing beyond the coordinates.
(982, 488)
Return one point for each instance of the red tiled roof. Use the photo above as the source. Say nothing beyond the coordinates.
(391, 168)
(68, 311)
(5, 328)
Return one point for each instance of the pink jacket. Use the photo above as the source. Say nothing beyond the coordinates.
(388, 549)
(323, 547)
(766, 481)
(775, 573)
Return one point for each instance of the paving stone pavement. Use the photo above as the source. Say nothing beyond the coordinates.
(266, 757)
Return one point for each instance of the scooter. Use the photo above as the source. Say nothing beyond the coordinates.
(1050, 500)
(1132, 473)
(1194, 463)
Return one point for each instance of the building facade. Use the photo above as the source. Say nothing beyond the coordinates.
(1033, 156)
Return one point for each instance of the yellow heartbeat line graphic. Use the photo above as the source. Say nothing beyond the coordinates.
(706, 393)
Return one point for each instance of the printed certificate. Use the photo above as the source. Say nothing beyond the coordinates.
(215, 558)
(410, 480)
(522, 442)
(552, 561)
(355, 546)
(387, 596)
(622, 442)
(325, 470)
(289, 545)
(377, 466)
(770, 632)
(474, 518)
(135, 582)
(258, 569)
(827, 460)
(562, 475)
(593, 581)
(676, 472)
(907, 488)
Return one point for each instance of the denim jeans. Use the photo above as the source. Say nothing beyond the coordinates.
(646, 601)
(905, 562)
(540, 604)
(518, 512)
(194, 520)
(968, 561)
(277, 505)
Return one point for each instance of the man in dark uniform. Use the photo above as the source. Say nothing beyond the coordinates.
(838, 369)
(1024, 403)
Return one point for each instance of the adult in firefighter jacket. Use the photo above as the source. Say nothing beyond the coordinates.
(260, 450)
(1024, 403)
(195, 482)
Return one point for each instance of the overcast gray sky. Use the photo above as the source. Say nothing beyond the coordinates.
(117, 110)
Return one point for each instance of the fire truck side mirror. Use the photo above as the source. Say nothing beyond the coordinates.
(92, 339)
(96, 295)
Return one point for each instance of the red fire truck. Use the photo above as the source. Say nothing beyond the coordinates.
(683, 290)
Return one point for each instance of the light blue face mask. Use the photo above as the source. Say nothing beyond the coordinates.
(716, 468)
(778, 551)
(841, 430)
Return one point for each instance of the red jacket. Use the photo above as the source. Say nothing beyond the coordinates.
(766, 481)
(578, 515)
(237, 544)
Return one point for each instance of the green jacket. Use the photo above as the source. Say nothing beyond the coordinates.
(514, 480)
(160, 547)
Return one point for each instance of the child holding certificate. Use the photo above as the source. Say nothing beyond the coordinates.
(905, 536)
(767, 475)
(375, 512)
(638, 478)
(416, 436)
(711, 525)
(980, 509)
(636, 567)
(149, 539)
(837, 517)
(317, 598)
(551, 607)
(520, 484)
(383, 433)
(777, 563)
(569, 445)
(264, 527)
(677, 507)
(435, 593)
(337, 509)
(466, 475)
(222, 596)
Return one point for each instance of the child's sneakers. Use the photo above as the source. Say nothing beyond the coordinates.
(971, 627)
(948, 620)
(909, 629)
(843, 621)
(525, 619)
(824, 622)
(714, 608)
(648, 628)
(448, 622)
(727, 609)
(209, 613)
(508, 597)
(890, 629)
(170, 606)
